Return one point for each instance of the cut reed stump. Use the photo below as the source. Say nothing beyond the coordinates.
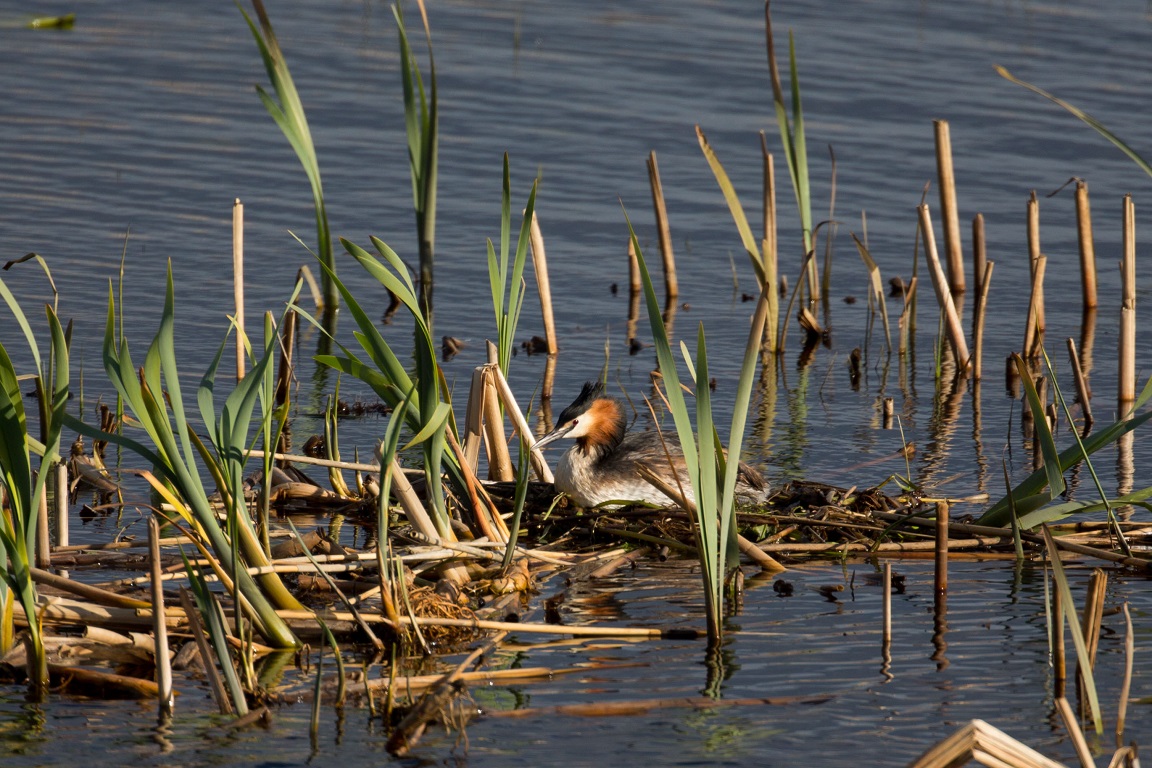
(1087, 247)
(948, 210)
(1127, 355)
(544, 287)
(238, 281)
(1033, 226)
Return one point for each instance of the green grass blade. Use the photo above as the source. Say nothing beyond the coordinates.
(1030, 494)
(1048, 448)
(290, 117)
(1084, 116)
(730, 197)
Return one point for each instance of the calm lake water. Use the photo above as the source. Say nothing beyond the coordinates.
(135, 131)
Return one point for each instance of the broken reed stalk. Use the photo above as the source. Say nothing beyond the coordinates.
(941, 576)
(769, 246)
(1087, 248)
(159, 622)
(1059, 657)
(907, 321)
(61, 505)
(769, 250)
(513, 409)
(1083, 395)
(626, 559)
(955, 331)
(979, 267)
(1090, 625)
(215, 682)
(889, 411)
(766, 562)
(1034, 324)
(284, 371)
(1074, 733)
(499, 460)
(979, 249)
(474, 419)
(1035, 314)
(43, 535)
(948, 213)
(543, 286)
(633, 270)
(887, 636)
(645, 633)
(978, 314)
(1125, 687)
(238, 281)
(664, 231)
(1127, 374)
(408, 732)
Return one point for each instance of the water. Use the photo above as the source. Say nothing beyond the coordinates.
(994, 666)
(143, 119)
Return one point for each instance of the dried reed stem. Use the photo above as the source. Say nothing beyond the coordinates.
(978, 314)
(411, 504)
(518, 420)
(633, 270)
(1125, 687)
(955, 330)
(769, 247)
(1074, 733)
(617, 563)
(418, 517)
(409, 730)
(1034, 324)
(1090, 624)
(1087, 248)
(941, 576)
(1033, 225)
(671, 287)
(979, 249)
(1083, 395)
(474, 418)
(548, 386)
(769, 252)
(766, 562)
(951, 219)
(284, 371)
(517, 627)
(321, 462)
(61, 505)
(43, 536)
(1127, 376)
(238, 281)
(540, 265)
(215, 683)
(887, 636)
(889, 411)
(499, 459)
(89, 592)
(159, 625)
(1059, 660)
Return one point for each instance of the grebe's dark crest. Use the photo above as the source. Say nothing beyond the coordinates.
(602, 466)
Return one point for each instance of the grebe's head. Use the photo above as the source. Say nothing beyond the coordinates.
(593, 419)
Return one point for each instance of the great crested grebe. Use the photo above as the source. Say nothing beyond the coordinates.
(602, 466)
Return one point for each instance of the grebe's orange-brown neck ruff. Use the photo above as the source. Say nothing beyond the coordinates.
(602, 466)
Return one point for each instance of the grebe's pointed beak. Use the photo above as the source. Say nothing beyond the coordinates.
(554, 435)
